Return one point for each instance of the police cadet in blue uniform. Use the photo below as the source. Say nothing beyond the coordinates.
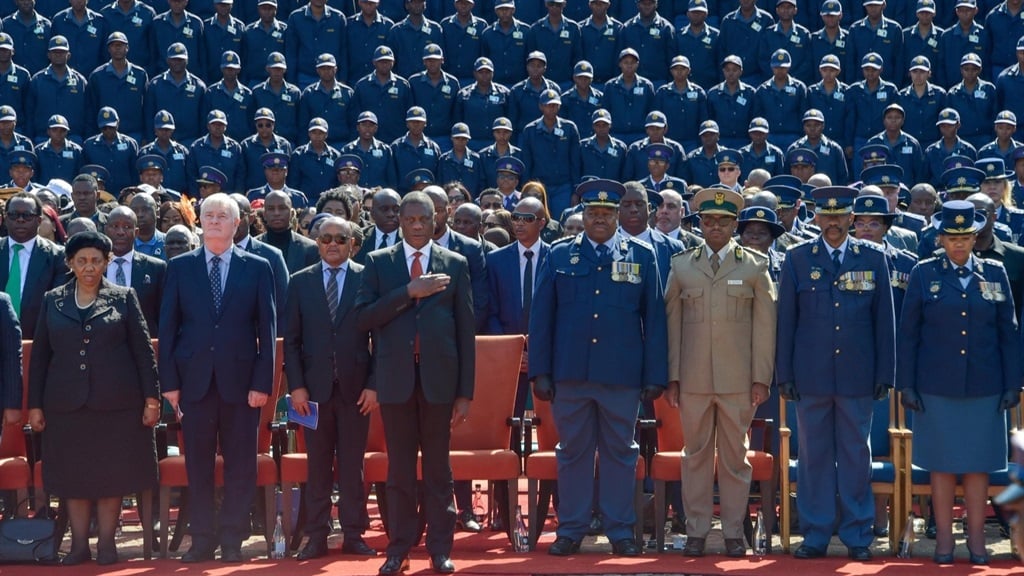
(132, 26)
(964, 37)
(871, 222)
(975, 99)
(460, 164)
(1004, 125)
(922, 38)
(835, 357)
(180, 92)
(175, 26)
(904, 149)
(111, 149)
(120, 83)
(526, 94)
(222, 32)
(596, 363)
(504, 42)
(29, 33)
(602, 155)
(558, 37)
(653, 38)
(1010, 87)
(280, 96)
(659, 156)
(264, 140)
(921, 101)
(376, 155)
(435, 91)
(384, 93)
(831, 39)
(86, 30)
(879, 35)
(463, 33)
(741, 32)
(629, 97)
(56, 88)
(231, 97)
(828, 97)
(174, 154)
(57, 156)
(261, 38)
(683, 102)
(950, 143)
(600, 35)
(655, 126)
(482, 102)
(581, 100)
(789, 37)
(830, 159)
(22, 169)
(330, 99)
(410, 35)
(312, 165)
(552, 137)
(414, 149)
(218, 150)
(312, 30)
(731, 103)
(759, 153)
(365, 30)
(959, 370)
(152, 170)
(866, 101)
(702, 163)
(275, 170)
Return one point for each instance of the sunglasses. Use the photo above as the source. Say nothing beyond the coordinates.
(726, 168)
(336, 238)
(521, 217)
(23, 216)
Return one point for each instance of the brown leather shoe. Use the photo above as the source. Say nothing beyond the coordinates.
(735, 548)
(694, 547)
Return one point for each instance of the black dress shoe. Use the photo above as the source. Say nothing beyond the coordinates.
(564, 546)
(880, 531)
(314, 548)
(357, 546)
(860, 554)
(106, 557)
(230, 555)
(196, 554)
(805, 552)
(694, 547)
(394, 565)
(76, 557)
(978, 559)
(626, 547)
(735, 547)
(943, 558)
(467, 521)
(442, 564)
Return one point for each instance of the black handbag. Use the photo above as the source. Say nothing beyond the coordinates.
(28, 540)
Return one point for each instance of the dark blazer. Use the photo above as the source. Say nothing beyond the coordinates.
(238, 346)
(370, 241)
(47, 270)
(301, 253)
(444, 321)
(316, 349)
(105, 362)
(148, 281)
(277, 265)
(505, 297)
(664, 249)
(10, 355)
(473, 252)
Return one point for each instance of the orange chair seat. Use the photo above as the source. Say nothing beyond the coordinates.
(172, 471)
(763, 464)
(543, 465)
(294, 468)
(492, 464)
(15, 473)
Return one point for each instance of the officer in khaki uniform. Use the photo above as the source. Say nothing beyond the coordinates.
(721, 345)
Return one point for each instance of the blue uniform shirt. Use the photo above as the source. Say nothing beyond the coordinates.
(135, 24)
(953, 44)
(53, 164)
(87, 39)
(732, 111)
(524, 103)
(636, 160)
(437, 99)
(561, 46)
(628, 104)
(540, 145)
(312, 172)
(378, 164)
(479, 110)
(655, 42)
(284, 104)
(49, 95)
(831, 159)
(600, 46)
(253, 150)
(306, 38)
(410, 156)
(1003, 30)
(886, 40)
(257, 44)
(468, 170)
(579, 110)
(906, 152)
(704, 53)
(782, 107)
(822, 46)
(31, 40)
(916, 45)
(922, 111)
(463, 44)
(703, 168)
(936, 153)
(237, 104)
(741, 36)
(796, 41)
(833, 106)
(360, 42)
(227, 158)
(507, 49)
(408, 42)
(607, 162)
(684, 109)
(334, 105)
(772, 159)
(389, 100)
(865, 109)
(176, 159)
(184, 101)
(977, 107)
(489, 156)
(14, 88)
(117, 156)
(164, 32)
(218, 38)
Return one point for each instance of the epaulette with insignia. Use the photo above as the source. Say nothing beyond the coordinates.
(640, 242)
(755, 255)
(868, 245)
(928, 260)
(992, 262)
(563, 240)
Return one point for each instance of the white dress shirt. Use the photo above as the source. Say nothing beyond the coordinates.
(127, 267)
(23, 257)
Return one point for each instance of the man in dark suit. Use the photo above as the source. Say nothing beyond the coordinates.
(416, 297)
(130, 267)
(253, 246)
(298, 251)
(634, 215)
(669, 218)
(327, 361)
(10, 361)
(385, 231)
(85, 197)
(40, 263)
(217, 348)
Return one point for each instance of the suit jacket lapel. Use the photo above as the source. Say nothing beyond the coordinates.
(103, 303)
(235, 273)
(5, 260)
(203, 273)
(139, 272)
(348, 294)
(35, 268)
(65, 302)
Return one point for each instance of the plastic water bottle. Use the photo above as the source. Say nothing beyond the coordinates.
(907, 539)
(522, 536)
(760, 536)
(478, 503)
(280, 544)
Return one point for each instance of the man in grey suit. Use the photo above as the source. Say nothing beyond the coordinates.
(385, 231)
(327, 361)
(130, 267)
(251, 245)
(416, 297)
(298, 251)
(29, 265)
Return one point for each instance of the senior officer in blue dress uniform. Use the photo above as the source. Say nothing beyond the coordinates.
(598, 344)
(871, 222)
(959, 370)
(834, 298)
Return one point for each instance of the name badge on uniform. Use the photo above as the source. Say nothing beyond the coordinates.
(769, 158)
(933, 42)
(377, 153)
(238, 97)
(494, 99)
(790, 89)
(691, 95)
(517, 35)
(190, 88)
(613, 152)
(177, 156)
(980, 94)
(626, 272)
(72, 81)
(593, 100)
(899, 280)
(275, 34)
(563, 34)
(558, 132)
(638, 91)
(68, 154)
(795, 39)
(225, 153)
(741, 100)
(446, 89)
(393, 90)
(286, 98)
(122, 146)
(187, 32)
(130, 79)
(12, 78)
(90, 29)
(857, 280)
(471, 31)
(735, 282)
(654, 32)
(428, 151)
(609, 31)
(838, 96)
(907, 150)
(136, 20)
(992, 291)
(329, 161)
(232, 30)
(840, 43)
(468, 163)
(882, 33)
(881, 95)
(707, 40)
(973, 38)
(756, 27)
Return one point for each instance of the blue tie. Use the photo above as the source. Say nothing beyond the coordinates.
(603, 253)
(215, 287)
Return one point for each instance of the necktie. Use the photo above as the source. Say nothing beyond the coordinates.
(215, 287)
(835, 260)
(332, 293)
(527, 287)
(119, 273)
(510, 203)
(962, 272)
(715, 263)
(602, 253)
(13, 288)
(383, 242)
(415, 271)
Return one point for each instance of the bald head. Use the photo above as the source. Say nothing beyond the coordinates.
(819, 180)
(763, 199)
(278, 196)
(244, 205)
(531, 205)
(870, 190)
(757, 177)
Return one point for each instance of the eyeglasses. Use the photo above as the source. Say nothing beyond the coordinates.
(24, 216)
(866, 225)
(521, 217)
(336, 238)
(726, 168)
(717, 222)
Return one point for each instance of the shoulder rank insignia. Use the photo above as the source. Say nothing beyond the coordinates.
(814, 249)
(856, 248)
(738, 253)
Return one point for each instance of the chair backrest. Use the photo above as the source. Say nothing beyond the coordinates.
(497, 376)
(670, 426)
(265, 436)
(546, 433)
(12, 440)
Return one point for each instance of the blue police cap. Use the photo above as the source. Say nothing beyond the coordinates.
(763, 215)
(216, 116)
(788, 195)
(113, 37)
(276, 60)
(679, 60)
(798, 156)
(830, 61)
(210, 175)
(317, 123)
(926, 6)
(433, 52)
(1020, 43)
(707, 126)
(781, 59)
(349, 162)
(720, 201)
(550, 97)
(758, 124)
(957, 161)
(697, 5)
(948, 116)
(274, 160)
(728, 156)
(107, 116)
(629, 52)
(659, 151)
(920, 62)
(601, 115)
(6, 42)
(958, 217)
(600, 192)
(655, 118)
(834, 199)
(483, 63)
(22, 158)
(874, 154)
(96, 171)
(970, 58)
(230, 59)
(654, 199)
(58, 121)
(326, 59)
(163, 119)
(501, 123)
(732, 59)
(419, 176)
(59, 43)
(537, 55)
(177, 50)
(994, 168)
(383, 53)
(873, 205)
(831, 8)
(510, 164)
(416, 114)
(151, 162)
(584, 69)
(882, 175)
(964, 180)
(460, 130)
(265, 114)
(366, 116)
(872, 60)
(1006, 117)
(813, 114)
